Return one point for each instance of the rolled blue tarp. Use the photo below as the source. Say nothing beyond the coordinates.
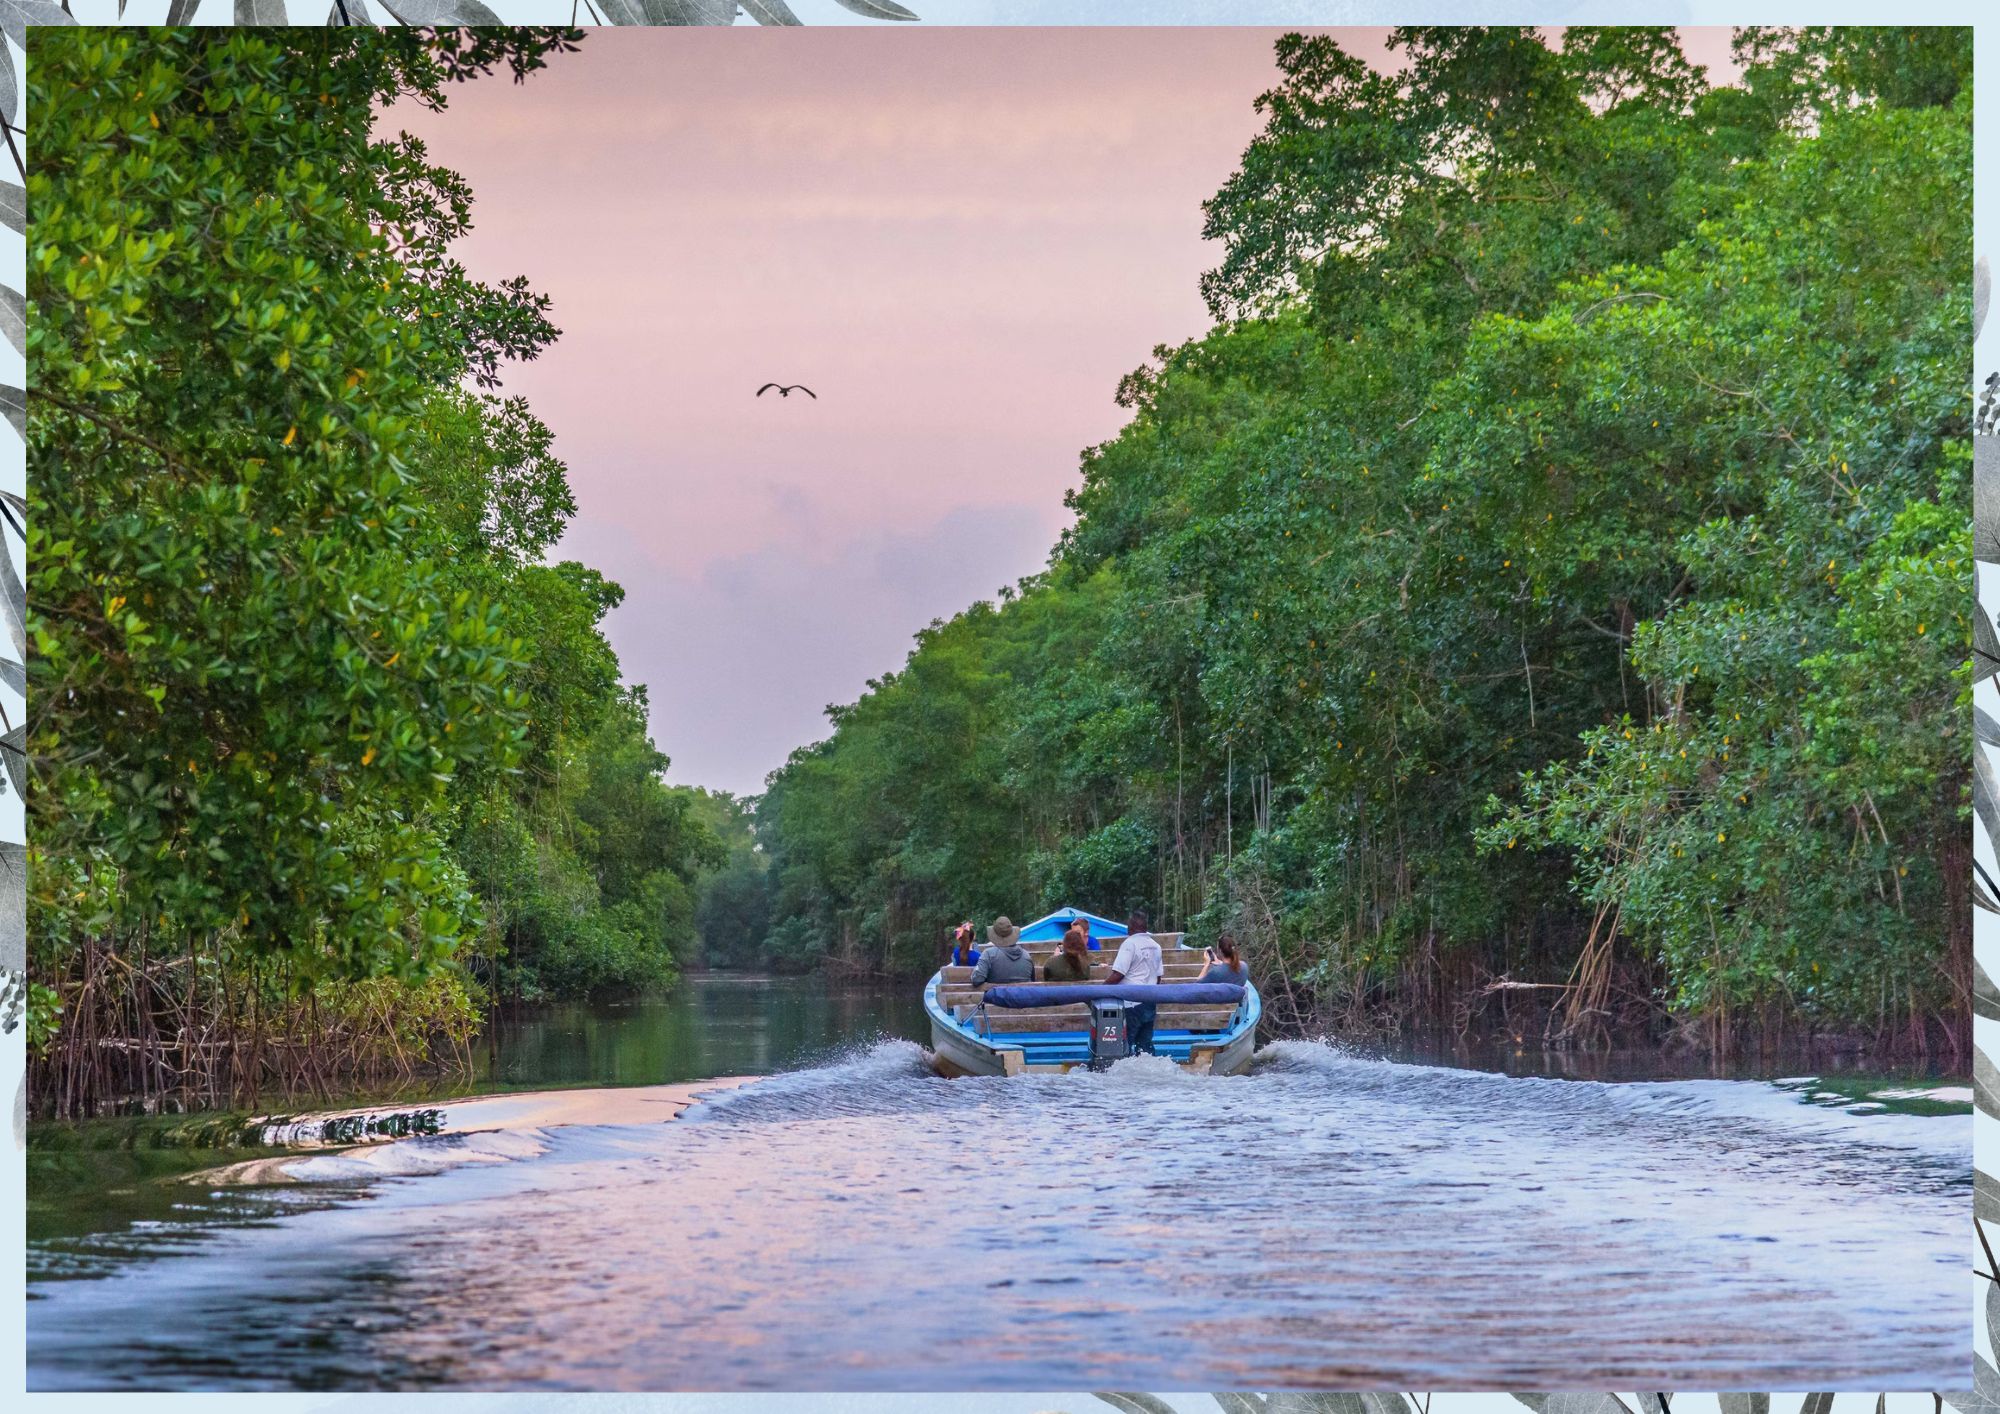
(1214, 993)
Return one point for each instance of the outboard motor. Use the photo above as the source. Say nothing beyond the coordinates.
(1110, 1033)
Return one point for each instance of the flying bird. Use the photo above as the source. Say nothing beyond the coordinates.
(785, 390)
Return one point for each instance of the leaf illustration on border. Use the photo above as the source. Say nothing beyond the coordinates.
(1986, 794)
(1986, 1094)
(356, 13)
(1239, 1403)
(14, 207)
(1985, 1197)
(769, 12)
(14, 675)
(17, 15)
(1984, 1396)
(10, 94)
(1985, 996)
(1817, 1404)
(1982, 291)
(1744, 1403)
(14, 403)
(1135, 1403)
(1986, 498)
(256, 12)
(689, 12)
(14, 752)
(14, 317)
(1574, 1403)
(441, 12)
(876, 9)
(13, 599)
(1985, 643)
(179, 12)
(13, 906)
(1652, 1404)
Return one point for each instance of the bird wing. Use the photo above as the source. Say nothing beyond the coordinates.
(807, 391)
(767, 388)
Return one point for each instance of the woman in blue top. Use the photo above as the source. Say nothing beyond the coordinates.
(1225, 964)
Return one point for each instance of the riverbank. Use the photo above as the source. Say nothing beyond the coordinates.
(740, 1022)
(618, 1062)
(112, 1171)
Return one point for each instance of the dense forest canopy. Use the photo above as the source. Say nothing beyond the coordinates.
(1552, 566)
(329, 754)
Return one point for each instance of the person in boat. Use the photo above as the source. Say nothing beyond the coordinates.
(1072, 964)
(1225, 964)
(1003, 959)
(963, 953)
(1138, 964)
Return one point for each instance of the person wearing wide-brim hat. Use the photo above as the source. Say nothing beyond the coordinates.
(1003, 959)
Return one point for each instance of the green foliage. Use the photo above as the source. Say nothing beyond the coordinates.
(313, 717)
(253, 688)
(1117, 866)
(733, 897)
(44, 1016)
(1802, 74)
(588, 882)
(1568, 396)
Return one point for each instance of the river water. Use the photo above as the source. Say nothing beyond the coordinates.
(852, 1222)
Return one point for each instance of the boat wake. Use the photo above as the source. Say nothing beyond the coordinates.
(1319, 1217)
(1778, 1111)
(416, 1157)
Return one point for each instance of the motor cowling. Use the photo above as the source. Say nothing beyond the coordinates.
(1110, 1032)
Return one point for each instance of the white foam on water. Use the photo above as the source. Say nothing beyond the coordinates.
(1947, 1137)
(1141, 1073)
(1942, 1094)
(414, 1157)
(1772, 1104)
(862, 1069)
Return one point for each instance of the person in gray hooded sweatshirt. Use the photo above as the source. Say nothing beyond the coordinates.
(1003, 959)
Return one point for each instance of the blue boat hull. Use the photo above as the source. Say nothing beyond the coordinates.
(963, 1048)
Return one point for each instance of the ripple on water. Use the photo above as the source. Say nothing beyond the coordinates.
(1324, 1220)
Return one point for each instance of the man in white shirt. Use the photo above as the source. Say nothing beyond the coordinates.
(1138, 964)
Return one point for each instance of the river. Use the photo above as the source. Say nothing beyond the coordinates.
(849, 1221)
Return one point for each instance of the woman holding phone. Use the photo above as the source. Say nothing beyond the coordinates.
(1225, 963)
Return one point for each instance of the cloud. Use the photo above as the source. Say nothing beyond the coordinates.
(741, 660)
(960, 239)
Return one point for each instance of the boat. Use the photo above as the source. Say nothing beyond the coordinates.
(1047, 1027)
(1050, 927)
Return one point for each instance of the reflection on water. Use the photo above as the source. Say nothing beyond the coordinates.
(1324, 1221)
(98, 1178)
(714, 1024)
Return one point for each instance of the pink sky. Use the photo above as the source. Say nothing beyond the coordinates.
(960, 239)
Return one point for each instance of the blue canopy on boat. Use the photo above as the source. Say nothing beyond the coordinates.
(1214, 993)
(1051, 928)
